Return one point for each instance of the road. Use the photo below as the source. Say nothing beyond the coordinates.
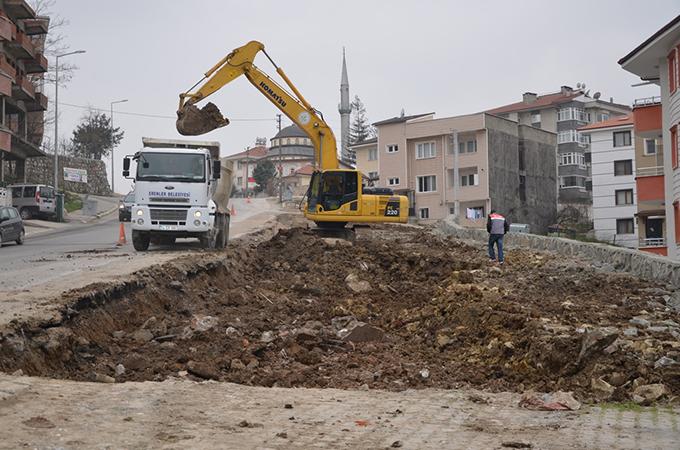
(33, 274)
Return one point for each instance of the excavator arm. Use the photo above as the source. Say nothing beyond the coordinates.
(193, 121)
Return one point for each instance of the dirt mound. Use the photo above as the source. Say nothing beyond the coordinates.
(400, 308)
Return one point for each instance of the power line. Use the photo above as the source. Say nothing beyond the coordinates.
(152, 116)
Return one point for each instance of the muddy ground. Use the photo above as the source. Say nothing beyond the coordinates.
(399, 308)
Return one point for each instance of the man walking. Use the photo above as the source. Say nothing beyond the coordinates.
(496, 226)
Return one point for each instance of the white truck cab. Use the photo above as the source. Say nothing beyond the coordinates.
(178, 193)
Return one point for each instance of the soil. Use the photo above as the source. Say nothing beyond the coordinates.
(273, 312)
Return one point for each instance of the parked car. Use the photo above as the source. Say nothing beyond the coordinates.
(11, 226)
(125, 207)
(34, 200)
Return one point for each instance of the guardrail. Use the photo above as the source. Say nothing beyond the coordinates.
(649, 171)
(652, 242)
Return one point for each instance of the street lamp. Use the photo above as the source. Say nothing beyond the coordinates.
(56, 113)
(112, 145)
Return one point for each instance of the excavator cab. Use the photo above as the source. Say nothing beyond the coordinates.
(332, 190)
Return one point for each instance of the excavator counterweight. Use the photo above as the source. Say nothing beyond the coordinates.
(193, 121)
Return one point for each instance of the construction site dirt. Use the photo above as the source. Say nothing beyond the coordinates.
(399, 308)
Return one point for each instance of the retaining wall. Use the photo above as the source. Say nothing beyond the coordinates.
(41, 171)
(648, 266)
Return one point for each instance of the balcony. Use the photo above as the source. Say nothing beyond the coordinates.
(40, 103)
(23, 89)
(649, 171)
(7, 29)
(6, 67)
(39, 25)
(19, 9)
(22, 47)
(37, 64)
(652, 242)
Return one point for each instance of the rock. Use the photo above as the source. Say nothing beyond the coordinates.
(361, 332)
(18, 373)
(203, 323)
(657, 329)
(639, 321)
(118, 334)
(253, 364)
(617, 379)
(595, 341)
(424, 374)
(669, 323)
(150, 322)
(673, 301)
(267, 337)
(120, 370)
(288, 406)
(232, 332)
(237, 364)
(142, 336)
(176, 285)
(356, 285)
(664, 361)
(99, 378)
(282, 435)
(135, 361)
(601, 389)
(443, 340)
(630, 332)
(202, 370)
(648, 393)
(396, 444)
(342, 322)
(516, 444)
(168, 344)
(556, 401)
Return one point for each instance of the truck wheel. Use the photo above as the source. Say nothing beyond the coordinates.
(140, 240)
(223, 235)
(208, 240)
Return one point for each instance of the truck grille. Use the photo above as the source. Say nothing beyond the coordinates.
(169, 199)
(173, 215)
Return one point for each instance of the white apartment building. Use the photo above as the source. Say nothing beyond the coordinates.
(612, 147)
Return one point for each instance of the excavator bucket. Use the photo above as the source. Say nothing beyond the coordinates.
(192, 121)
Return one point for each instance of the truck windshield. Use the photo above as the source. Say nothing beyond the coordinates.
(171, 167)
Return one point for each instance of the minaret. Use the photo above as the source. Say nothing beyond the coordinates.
(345, 108)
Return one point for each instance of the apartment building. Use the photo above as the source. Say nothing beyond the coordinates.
(656, 60)
(465, 166)
(613, 177)
(367, 158)
(563, 113)
(22, 102)
(244, 165)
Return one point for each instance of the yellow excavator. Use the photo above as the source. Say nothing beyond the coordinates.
(335, 196)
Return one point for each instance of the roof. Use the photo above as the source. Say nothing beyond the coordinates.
(255, 153)
(614, 122)
(651, 39)
(401, 119)
(291, 131)
(542, 101)
(365, 142)
(305, 170)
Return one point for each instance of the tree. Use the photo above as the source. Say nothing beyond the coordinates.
(94, 137)
(360, 128)
(263, 173)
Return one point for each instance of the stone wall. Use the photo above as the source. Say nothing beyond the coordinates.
(635, 262)
(41, 170)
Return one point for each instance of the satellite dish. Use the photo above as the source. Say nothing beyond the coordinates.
(583, 85)
(597, 95)
(578, 85)
(587, 94)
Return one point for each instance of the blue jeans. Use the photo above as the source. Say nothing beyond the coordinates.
(498, 240)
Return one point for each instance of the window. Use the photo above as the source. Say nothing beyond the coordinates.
(427, 183)
(461, 147)
(573, 181)
(621, 138)
(603, 117)
(469, 180)
(625, 226)
(13, 213)
(623, 167)
(650, 147)
(676, 214)
(393, 148)
(572, 159)
(471, 146)
(522, 188)
(373, 176)
(16, 192)
(372, 154)
(672, 71)
(393, 181)
(425, 150)
(452, 210)
(424, 213)
(474, 213)
(29, 191)
(674, 146)
(569, 136)
(4, 213)
(239, 181)
(624, 197)
(572, 114)
(535, 117)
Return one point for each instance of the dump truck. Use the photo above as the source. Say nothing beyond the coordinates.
(182, 190)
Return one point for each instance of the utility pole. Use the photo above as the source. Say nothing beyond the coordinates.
(56, 114)
(247, 169)
(278, 120)
(112, 145)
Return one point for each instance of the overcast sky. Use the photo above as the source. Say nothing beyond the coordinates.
(449, 57)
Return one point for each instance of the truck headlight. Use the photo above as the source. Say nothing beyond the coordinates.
(197, 222)
(121, 206)
(197, 214)
(140, 221)
(140, 212)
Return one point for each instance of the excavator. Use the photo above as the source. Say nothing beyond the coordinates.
(335, 196)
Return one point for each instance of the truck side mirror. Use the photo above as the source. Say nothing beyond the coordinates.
(217, 169)
(126, 167)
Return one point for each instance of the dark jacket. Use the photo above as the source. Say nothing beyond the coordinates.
(497, 224)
